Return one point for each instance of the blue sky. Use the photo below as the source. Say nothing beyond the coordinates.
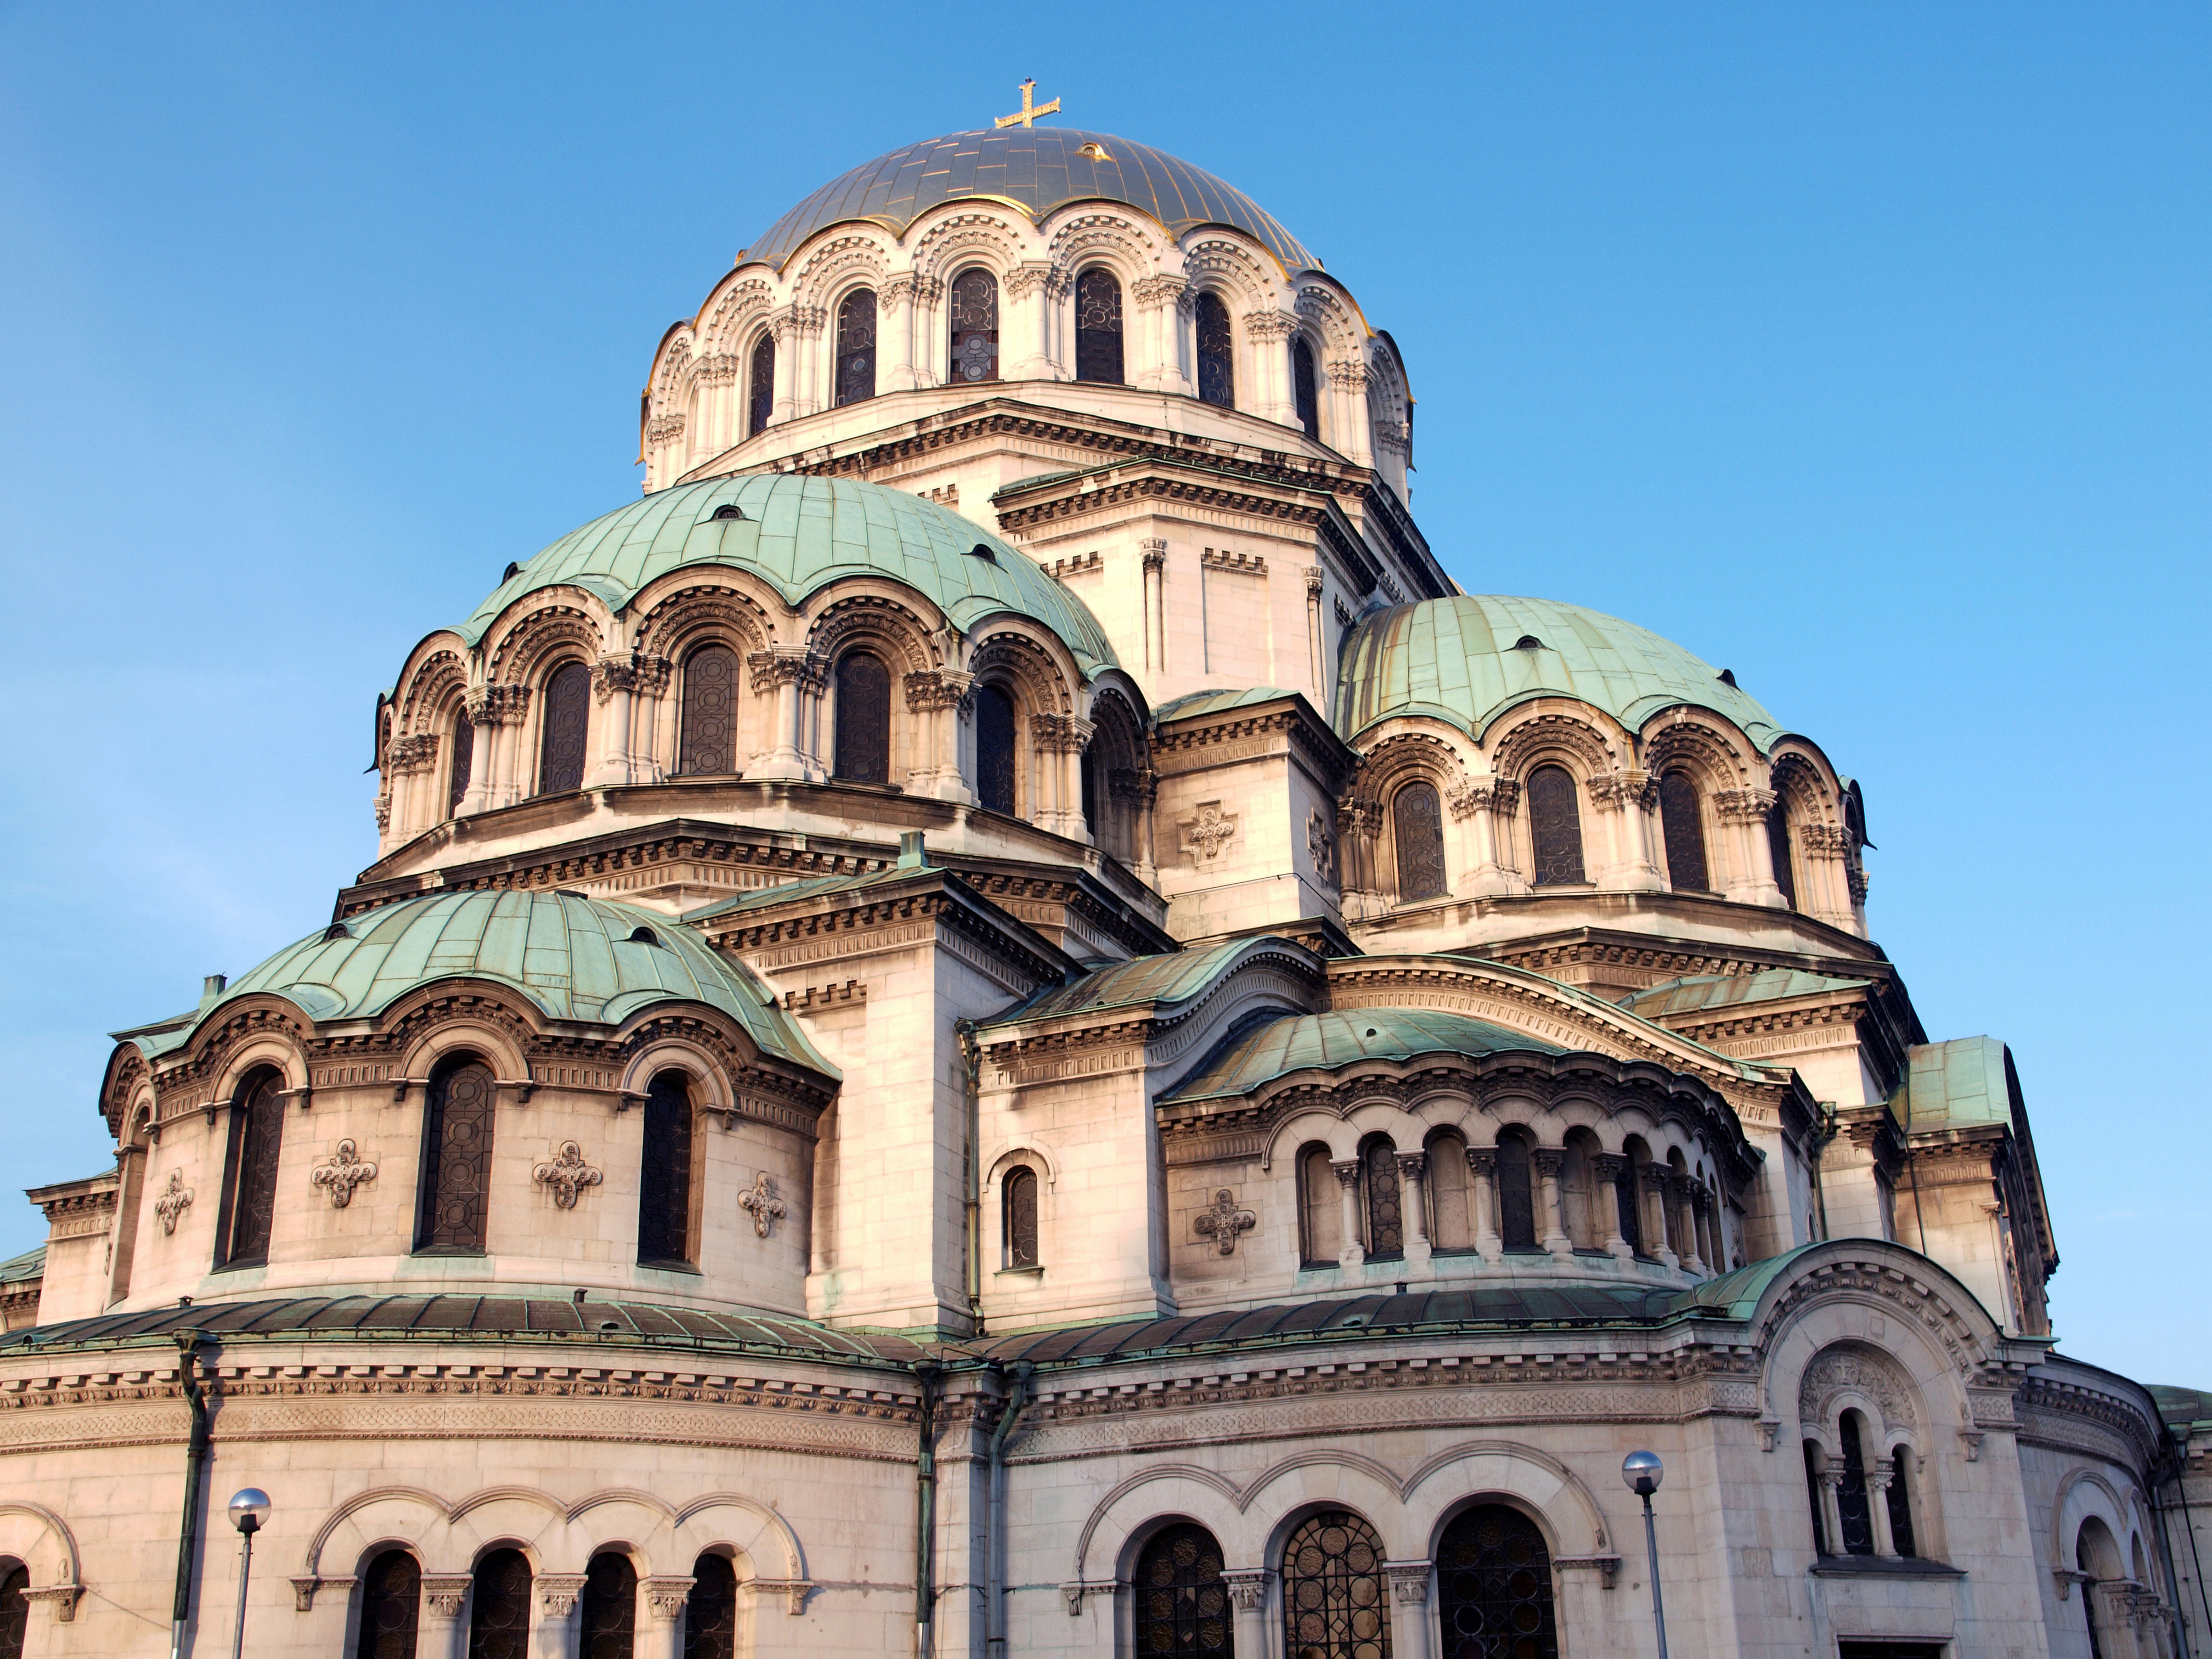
(1863, 350)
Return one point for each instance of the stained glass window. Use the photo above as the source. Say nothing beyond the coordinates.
(256, 1136)
(1182, 1604)
(1098, 327)
(1516, 1207)
(760, 398)
(567, 713)
(1418, 821)
(1682, 822)
(994, 748)
(1322, 1235)
(499, 1615)
(1494, 1583)
(710, 1612)
(610, 1609)
(1851, 1495)
(16, 1612)
(974, 307)
(708, 746)
(1021, 1204)
(1901, 1502)
(456, 1134)
(391, 1607)
(664, 1189)
(856, 346)
(1777, 844)
(465, 752)
(1386, 1230)
(1555, 825)
(1334, 1604)
(1304, 392)
(1217, 353)
(864, 718)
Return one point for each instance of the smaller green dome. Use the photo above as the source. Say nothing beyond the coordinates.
(801, 534)
(577, 958)
(1270, 1048)
(1469, 658)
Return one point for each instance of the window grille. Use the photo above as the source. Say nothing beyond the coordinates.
(663, 1198)
(1217, 353)
(1515, 1204)
(1098, 327)
(1303, 389)
(710, 1611)
(499, 1618)
(709, 744)
(610, 1609)
(568, 714)
(1684, 832)
(1418, 818)
(391, 1607)
(1851, 1495)
(465, 754)
(1334, 1597)
(974, 310)
(1386, 1229)
(1494, 1583)
(456, 1135)
(1777, 844)
(761, 399)
(15, 1612)
(856, 346)
(1181, 1603)
(863, 719)
(256, 1138)
(1556, 827)
(995, 748)
(1021, 1203)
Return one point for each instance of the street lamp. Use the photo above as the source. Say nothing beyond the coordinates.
(247, 1509)
(1642, 1472)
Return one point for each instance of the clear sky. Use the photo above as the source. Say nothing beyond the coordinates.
(1861, 349)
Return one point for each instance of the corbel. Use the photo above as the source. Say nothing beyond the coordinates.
(1973, 1437)
(304, 1094)
(2066, 1578)
(626, 1098)
(794, 1591)
(1769, 1432)
(304, 1588)
(1607, 1566)
(64, 1596)
(401, 1084)
(524, 1087)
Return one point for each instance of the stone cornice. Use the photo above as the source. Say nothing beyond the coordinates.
(1248, 732)
(932, 898)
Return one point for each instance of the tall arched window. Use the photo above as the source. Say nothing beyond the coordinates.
(1320, 1232)
(1625, 1194)
(664, 1189)
(1578, 1192)
(610, 1609)
(463, 759)
(16, 1612)
(256, 1138)
(1217, 353)
(1334, 1604)
(1181, 1603)
(1451, 1211)
(864, 718)
(1417, 823)
(1098, 327)
(1020, 1202)
(1683, 826)
(1851, 1495)
(1494, 1584)
(1901, 1502)
(710, 1611)
(1777, 847)
(1386, 1225)
(994, 748)
(567, 716)
(1305, 391)
(974, 307)
(457, 1132)
(391, 1607)
(1088, 768)
(1555, 825)
(499, 1611)
(2096, 1558)
(760, 391)
(707, 741)
(856, 346)
(1516, 1207)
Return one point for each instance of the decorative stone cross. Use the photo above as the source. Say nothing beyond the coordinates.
(567, 1175)
(1028, 113)
(1209, 830)
(762, 1203)
(1224, 1221)
(174, 1201)
(346, 1170)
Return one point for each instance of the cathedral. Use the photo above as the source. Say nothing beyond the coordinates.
(998, 1022)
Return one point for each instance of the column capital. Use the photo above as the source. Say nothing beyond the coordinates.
(1409, 1582)
(1247, 1586)
(785, 665)
(444, 1592)
(1413, 1165)
(1609, 1166)
(667, 1595)
(557, 1593)
(1483, 1160)
(1347, 1172)
(1548, 1160)
(1656, 1177)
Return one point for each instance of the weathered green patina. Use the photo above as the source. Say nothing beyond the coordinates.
(1323, 1042)
(1696, 992)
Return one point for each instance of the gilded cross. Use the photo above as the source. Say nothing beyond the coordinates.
(1029, 114)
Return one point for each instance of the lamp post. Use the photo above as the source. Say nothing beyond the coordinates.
(1642, 1472)
(247, 1509)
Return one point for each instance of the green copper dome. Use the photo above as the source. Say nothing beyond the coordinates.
(801, 534)
(1270, 1048)
(1036, 169)
(1470, 659)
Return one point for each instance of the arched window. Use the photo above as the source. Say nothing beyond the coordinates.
(1851, 1495)
(2097, 1557)
(856, 346)
(1901, 1502)
(1334, 1604)
(663, 1188)
(1305, 394)
(1777, 847)
(463, 758)
(257, 1138)
(610, 1609)
(1320, 1232)
(499, 1615)
(1386, 1226)
(561, 744)
(391, 1608)
(994, 748)
(1684, 833)
(1181, 1603)
(975, 312)
(1578, 1193)
(1451, 1212)
(1626, 1192)
(1555, 825)
(1020, 1201)
(16, 1612)
(1516, 1207)
(710, 1611)
(1418, 831)
(1217, 353)
(706, 743)
(1494, 1584)
(457, 1131)
(864, 718)
(1813, 1457)
(1088, 769)
(760, 392)
(1098, 327)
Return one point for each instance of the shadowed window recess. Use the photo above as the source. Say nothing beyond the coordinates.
(499, 1606)
(1777, 847)
(456, 1138)
(664, 1200)
(256, 1138)
(1217, 352)
(856, 346)
(1335, 1603)
(1516, 1207)
(1417, 826)
(15, 1612)
(1305, 391)
(707, 743)
(1182, 1604)
(995, 748)
(710, 1611)
(463, 758)
(1494, 1587)
(975, 310)
(609, 1608)
(1098, 327)
(760, 392)
(567, 717)
(1020, 1201)
(391, 1607)
(1386, 1230)
(1682, 824)
(864, 718)
(1555, 827)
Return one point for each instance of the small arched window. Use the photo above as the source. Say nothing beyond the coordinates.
(391, 1607)
(1451, 1214)
(1305, 391)
(1516, 1207)
(456, 1135)
(707, 741)
(1181, 1601)
(1555, 826)
(1417, 823)
(710, 1610)
(1386, 1223)
(995, 748)
(856, 346)
(1335, 1601)
(1217, 353)
(975, 312)
(15, 1611)
(610, 1609)
(663, 1191)
(256, 1138)
(760, 391)
(1098, 327)
(1901, 1502)
(1625, 1195)
(463, 762)
(1851, 1495)
(1494, 1586)
(864, 718)
(567, 716)
(1682, 823)
(1320, 1232)
(1777, 847)
(499, 1611)
(1020, 1201)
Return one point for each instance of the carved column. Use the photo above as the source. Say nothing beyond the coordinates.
(443, 1631)
(896, 352)
(783, 328)
(1655, 1216)
(1159, 368)
(1347, 1193)
(1351, 432)
(653, 677)
(497, 712)
(1610, 1169)
(1156, 580)
(1247, 1597)
(665, 1596)
(1683, 1191)
(1877, 1489)
(809, 375)
(1060, 740)
(1831, 1508)
(792, 672)
(1549, 1161)
(1270, 332)
(1488, 806)
(1825, 846)
(614, 685)
(1138, 790)
(1627, 797)
(1315, 577)
(1482, 1162)
(1742, 815)
(1409, 1608)
(934, 698)
(1413, 1169)
(1030, 291)
(559, 1623)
